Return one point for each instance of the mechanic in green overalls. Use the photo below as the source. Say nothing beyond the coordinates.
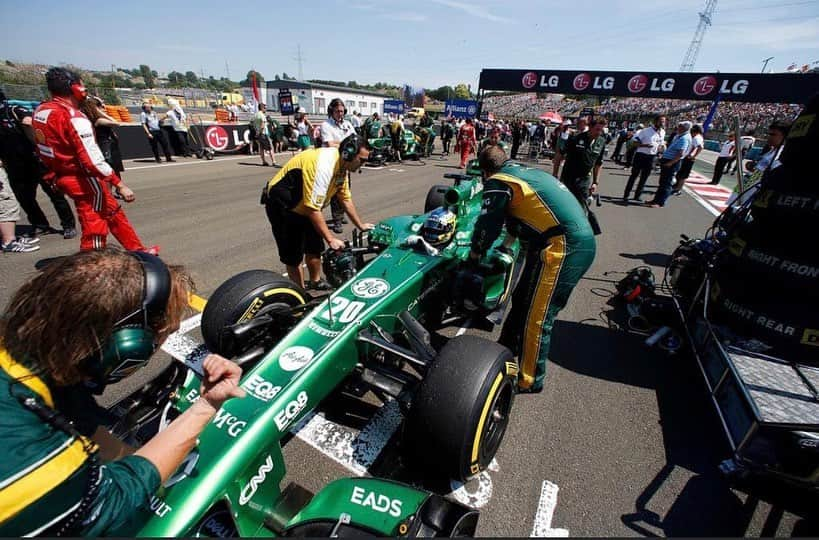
(582, 156)
(559, 245)
(62, 473)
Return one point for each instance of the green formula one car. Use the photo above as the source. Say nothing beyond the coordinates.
(374, 336)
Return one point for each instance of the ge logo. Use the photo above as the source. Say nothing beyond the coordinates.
(370, 288)
(582, 81)
(637, 84)
(217, 137)
(705, 85)
(529, 80)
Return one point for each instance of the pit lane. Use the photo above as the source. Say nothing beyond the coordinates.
(625, 435)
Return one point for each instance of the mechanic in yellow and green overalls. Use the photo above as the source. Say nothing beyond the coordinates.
(559, 244)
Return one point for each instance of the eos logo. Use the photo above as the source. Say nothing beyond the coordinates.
(261, 389)
(290, 411)
(581, 81)
(217, 137)
(295, 358)
(376, 501)
(705, 85)
(255, 481)
(637, 84)
(529, 80)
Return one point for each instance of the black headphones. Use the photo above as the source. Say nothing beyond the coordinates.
(133, 341)
(350, 146)
(335, 102)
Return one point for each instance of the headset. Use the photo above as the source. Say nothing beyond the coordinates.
(350, 146)
(133, 341)
(73, 82)
(333, 103)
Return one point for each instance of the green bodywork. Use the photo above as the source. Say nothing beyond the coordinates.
(238, 461)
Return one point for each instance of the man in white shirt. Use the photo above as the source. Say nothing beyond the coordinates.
(334, 130)
(355, 120)
(697, 144)
(648, 141)
(726, 153)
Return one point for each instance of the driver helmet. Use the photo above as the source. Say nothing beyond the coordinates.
(439, 226)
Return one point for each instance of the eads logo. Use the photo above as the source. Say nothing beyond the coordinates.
(705, 85)
(581, 81)
(637, 84)
(529, 80)
(217, 137)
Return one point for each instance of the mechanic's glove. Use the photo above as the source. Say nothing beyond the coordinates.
(467, 291)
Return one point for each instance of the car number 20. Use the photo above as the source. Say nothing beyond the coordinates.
(342, 310)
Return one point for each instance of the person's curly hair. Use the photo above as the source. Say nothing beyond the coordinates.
(64, 314)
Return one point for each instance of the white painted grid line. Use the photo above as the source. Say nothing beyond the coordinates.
(542, 526)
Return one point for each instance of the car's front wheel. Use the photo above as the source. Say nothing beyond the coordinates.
(460, 412)
(240, 299)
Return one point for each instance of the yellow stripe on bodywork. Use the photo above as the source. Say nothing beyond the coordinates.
(21, 373)
(552, 258)
(41, 480)
(492, 391)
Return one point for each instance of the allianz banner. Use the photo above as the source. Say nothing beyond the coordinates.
(393, 106)
(461, 108)
(749, 87)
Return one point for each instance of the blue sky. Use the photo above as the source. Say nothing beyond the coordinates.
(424, 42)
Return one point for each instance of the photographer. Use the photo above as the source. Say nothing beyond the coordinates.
(105, 313)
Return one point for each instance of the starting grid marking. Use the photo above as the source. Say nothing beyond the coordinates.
(713, 198)
(354, 450)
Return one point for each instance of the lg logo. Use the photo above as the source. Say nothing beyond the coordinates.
(705, 85)
(529, 80)
(638, 83)
(217, 137)
(581, 81)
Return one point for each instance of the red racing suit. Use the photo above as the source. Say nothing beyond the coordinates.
(65, 142)
(466, 142)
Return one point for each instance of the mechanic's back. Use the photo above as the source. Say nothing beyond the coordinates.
(559, 245)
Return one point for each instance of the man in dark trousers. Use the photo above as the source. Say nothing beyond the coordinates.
(647, 144)
(559, 246)
(583, 158)
(25, 171)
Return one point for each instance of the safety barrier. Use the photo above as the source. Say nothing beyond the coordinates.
(118, 113)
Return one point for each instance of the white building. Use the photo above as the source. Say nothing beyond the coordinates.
(314, 97)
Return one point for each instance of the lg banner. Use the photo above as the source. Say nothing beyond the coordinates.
(748, 87)
(461, 108)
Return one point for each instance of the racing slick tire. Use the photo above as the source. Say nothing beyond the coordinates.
(239, 299)
(461, 410)
(435, 197)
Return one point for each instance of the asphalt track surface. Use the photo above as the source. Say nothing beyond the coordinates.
(621, 442)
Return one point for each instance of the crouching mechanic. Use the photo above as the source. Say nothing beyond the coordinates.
(559, 246)
(62, 473)
(66, 145)
(294, 199)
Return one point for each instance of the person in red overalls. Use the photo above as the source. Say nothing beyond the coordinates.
(65, 143)
(466, 141)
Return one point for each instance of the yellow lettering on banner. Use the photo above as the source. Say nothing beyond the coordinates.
(810, 337)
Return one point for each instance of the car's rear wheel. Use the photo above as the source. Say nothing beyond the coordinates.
(460, 412)
(435, 197)
(240, 299)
